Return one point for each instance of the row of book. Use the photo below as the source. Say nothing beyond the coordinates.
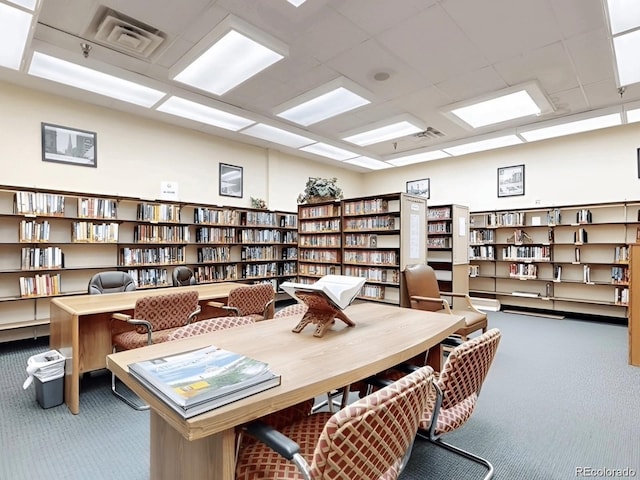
(442, 213)
(216, 217)
(148, 256)
(40, 258)
(332, 256)
(439, 227)
(318, 270)
(149, 277)
(372, 274)
(40, 285)
(38, 203)
(91, 207)
(259, 219)
(370, 223)
(158, 212)
(332, 241)
(326, 210)
(320, 226)
(90, 232)
(161, 234)
(527, 252)
(216, 273)
(377, 257)
(363, 207)
(32, 231)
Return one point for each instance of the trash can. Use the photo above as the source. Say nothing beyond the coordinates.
(46, 370)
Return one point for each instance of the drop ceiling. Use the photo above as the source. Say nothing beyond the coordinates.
(414, 56)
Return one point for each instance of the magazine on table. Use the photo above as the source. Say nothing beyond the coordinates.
(200, 380)
(340, 290)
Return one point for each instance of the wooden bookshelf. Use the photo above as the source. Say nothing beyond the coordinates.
(569, 259)
(53, 242)
(634, 306)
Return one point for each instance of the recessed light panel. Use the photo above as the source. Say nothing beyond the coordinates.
(204, 114)
(232, 53)
(277, 135)
(385, 132)
(370, 163)
(623, 15)
(14, 32)
(336, 97)
(329, 151)
(61, 71)
(479, 146)
(418, 158)
(626, 48)
(570, 128)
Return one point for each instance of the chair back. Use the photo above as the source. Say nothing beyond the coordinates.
(111, 282)
(421, 281)
(252, 299)
(369, 438)
(183, 276)
(466, 368)
(166, 311)
(209, 325)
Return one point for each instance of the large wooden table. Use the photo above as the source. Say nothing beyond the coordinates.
(80, 328)
(202, 447)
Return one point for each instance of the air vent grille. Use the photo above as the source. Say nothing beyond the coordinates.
(124, 35)
(430, 133)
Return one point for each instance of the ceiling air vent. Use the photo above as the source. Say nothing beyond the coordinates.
(128, 37)
(430, 133)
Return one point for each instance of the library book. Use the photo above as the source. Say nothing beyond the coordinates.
(340, 290)
(200, 380)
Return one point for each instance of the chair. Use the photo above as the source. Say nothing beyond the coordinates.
(290, 310)
(255, 301)
(367, 440)
(209, 325)
(424, 294)
(456, 392)
(183, 276)
(111, 282)
(153, 320)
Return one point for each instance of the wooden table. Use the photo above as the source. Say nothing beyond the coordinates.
(202, 447)
(80, 327)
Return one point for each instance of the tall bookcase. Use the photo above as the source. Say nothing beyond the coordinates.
(53, 242)
(448, 246)
(563, 258)
(373, 237)
(634, 306)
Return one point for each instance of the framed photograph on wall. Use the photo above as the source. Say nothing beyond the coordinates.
(69, 145)
(419, 187)
(230, 180)
(511, 181)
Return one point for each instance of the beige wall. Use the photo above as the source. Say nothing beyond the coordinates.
(135, 154)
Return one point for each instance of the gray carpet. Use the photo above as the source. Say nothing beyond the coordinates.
(559, 396)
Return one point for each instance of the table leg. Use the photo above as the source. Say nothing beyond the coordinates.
(173, 457)
(435, 357)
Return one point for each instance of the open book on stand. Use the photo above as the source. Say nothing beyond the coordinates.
(200, 380)
(326, 299)
(341, 290)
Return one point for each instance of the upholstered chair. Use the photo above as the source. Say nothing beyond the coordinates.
(255, 301)
(182, 276)
(111, 282)
(289, 310)
(209, 325)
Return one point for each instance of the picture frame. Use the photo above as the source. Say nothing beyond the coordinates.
(421, 187)
(69, 145)
(511, 181)
(230, 180)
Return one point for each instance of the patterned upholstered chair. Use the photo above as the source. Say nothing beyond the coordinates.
(368, 439)
(209, 325)
(255, 301)
(289, 310)
(153, 320)
(456, 392)
(424, 294)
(182, 276)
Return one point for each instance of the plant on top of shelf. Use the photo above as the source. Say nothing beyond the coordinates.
(320, 190)
(258, 203)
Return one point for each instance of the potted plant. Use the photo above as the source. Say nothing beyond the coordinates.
(320, 190)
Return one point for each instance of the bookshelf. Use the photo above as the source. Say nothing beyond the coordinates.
(53, 242)
(448, 246)
(373, 237)
(634, 306)
(567, 259)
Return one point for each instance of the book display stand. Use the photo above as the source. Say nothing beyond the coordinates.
(321, 313)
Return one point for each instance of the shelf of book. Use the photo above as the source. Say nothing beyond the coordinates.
(53, 242)
(572, 259)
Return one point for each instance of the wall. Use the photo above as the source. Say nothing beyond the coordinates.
(593, 167)
(135, 154)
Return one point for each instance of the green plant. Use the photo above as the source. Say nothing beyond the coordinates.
(320, 187)
(258, 203)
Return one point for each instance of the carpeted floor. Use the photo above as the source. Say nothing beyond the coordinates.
(559, 397)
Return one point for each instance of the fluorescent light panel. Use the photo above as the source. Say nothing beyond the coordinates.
(27, 4)
(233, 52)
(570, 128)
(623, 15)
(479, 146)
(370, 163)
(500, 109)
(277, 135)
(324, 102)
(418, 158)
(14, 32)
(296, 3)
(633, 115)
(61, 71)
(387, 132)
(182, 107)
(626, 52)
(329, 151)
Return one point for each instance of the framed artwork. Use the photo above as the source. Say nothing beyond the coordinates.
(511, 181)
(230, 180)
(419, 187)
(69, 145)
(638, 160)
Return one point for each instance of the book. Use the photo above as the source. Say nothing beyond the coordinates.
(200, 380)
(340, 290)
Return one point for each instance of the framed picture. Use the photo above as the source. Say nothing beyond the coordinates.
(419, 187)
(511, 181)
(230, 180)
(69, 145)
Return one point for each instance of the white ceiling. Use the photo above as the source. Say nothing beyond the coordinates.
(436, 52)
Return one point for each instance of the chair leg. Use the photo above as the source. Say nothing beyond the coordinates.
(461, 452)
